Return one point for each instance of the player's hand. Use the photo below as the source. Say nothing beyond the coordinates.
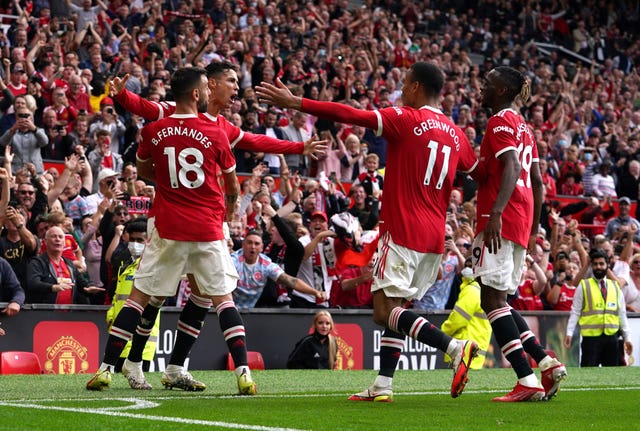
(492, 233)
(628, 347)
(315, 148)
(278, 95)
(567, 341)
(117, 84)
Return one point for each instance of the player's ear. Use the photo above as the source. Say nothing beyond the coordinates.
(212, 83)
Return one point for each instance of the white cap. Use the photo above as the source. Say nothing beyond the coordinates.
(106, 173)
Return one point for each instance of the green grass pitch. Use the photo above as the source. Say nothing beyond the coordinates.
(590, 399)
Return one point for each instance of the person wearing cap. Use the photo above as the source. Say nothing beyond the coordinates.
(109, 120)
(103, 155)
(623, 219)
(106, 180)
(16, 80)
(318, 265)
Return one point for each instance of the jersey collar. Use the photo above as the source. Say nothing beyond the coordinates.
(431, 108)
(183, 116)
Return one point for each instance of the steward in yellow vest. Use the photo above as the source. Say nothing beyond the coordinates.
(599, 308)
(468, 321)
(123, 289)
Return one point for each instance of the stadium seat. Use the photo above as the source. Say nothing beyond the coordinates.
(19, 363)
(253, 358)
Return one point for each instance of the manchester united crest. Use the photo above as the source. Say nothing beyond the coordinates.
(66, 356)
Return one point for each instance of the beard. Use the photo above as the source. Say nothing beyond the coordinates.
(203, 104)
(599, 273)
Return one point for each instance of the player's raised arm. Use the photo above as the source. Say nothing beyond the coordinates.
(279, 95)
(137, 105)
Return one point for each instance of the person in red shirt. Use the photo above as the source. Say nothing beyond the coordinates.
(182, 154)
(352, 289)
(511, 191)
(533, 282)
(16, 80)
(425, 149)
(560, 296)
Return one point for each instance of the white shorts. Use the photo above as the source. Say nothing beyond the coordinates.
(164, 261)
(402, 272)
(502, 270)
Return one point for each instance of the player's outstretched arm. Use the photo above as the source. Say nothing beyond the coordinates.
(279, 95)
(137, 105)
(314, 148)
(267, 144)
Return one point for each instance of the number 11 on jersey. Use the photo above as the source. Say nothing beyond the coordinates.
(444, 163)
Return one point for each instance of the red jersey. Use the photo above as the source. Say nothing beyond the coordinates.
(507, 131)
(186, 151)
(237, 137)
(565, 299)
(425, 149)
(526, 299)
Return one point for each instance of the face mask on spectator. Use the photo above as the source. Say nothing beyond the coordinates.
(135, 248)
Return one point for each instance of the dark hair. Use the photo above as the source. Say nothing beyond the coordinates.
(516, 84)
(215, 68)
(184, 81)
(254, 232)
(136, 225)
(429, 76)
(597, 254)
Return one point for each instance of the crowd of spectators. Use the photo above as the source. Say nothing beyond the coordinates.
(58, 59)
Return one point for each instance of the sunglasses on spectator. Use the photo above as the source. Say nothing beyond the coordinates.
(635, 262)
(466, 245)
(122, 213)
(27, 192)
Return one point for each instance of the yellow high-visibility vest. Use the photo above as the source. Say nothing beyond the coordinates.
(599, 316)
(123, 289)
(468, 321)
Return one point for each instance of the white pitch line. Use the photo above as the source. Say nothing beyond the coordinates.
(335, 394)
(150, 417)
